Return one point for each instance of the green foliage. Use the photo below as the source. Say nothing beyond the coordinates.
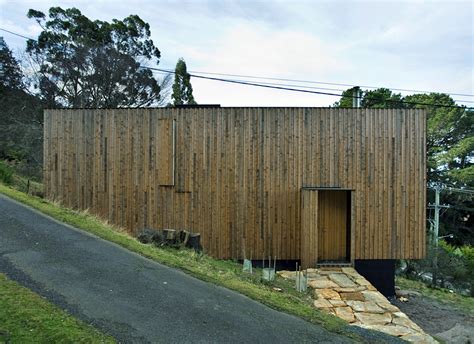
(182, 88)
(347, 98)
(25, 317)
(21, 115)
(6, 173)
(381, 98)
(454, 268)
(450, 143)
(86, 63)
(10, 73)
(21, 127)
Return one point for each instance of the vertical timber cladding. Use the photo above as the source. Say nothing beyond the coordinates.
(236, 174)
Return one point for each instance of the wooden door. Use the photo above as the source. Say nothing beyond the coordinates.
(333, 226)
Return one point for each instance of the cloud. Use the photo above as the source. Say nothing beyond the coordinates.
(254, 49)
(405, 44)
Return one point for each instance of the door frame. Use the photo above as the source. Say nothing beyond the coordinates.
(309, 224)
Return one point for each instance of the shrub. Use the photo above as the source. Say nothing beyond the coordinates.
(454, 268)
(6, 173)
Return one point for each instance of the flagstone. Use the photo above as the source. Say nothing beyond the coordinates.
(345, 313)
(365, 306)
(338, 303)
(356, 296)
(349, 296)
(327, 294)
(362, 281)
(419, 338)
(350, 290)
(399, 315)
(388, 306)
(342, 280)
(373, 318)
(322, 284)
(407, 323)
(322, 303)
(393, 330)
(374, 296)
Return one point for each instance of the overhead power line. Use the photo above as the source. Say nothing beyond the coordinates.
(303, 89)
(327, 83)
(16, 34)
(299, 89)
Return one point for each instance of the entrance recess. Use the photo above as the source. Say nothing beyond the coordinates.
(325, 226)
(333, 226)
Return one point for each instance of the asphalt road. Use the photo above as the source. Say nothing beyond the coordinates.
(130, 297)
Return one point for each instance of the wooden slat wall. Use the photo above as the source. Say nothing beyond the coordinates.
(309, 227)
(238, 173)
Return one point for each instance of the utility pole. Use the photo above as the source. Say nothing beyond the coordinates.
(356, 95)
(436, 206)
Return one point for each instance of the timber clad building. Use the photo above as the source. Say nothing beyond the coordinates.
(309, 184)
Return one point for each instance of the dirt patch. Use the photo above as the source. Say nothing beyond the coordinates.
(436, 317)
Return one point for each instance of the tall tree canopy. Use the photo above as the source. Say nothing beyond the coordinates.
(182, 88)
(20, 114)
(10, 72)
(87, 63)
(379, 98)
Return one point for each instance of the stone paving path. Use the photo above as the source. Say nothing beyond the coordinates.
(346, 294)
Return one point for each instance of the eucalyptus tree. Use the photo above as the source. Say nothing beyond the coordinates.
(93, 63)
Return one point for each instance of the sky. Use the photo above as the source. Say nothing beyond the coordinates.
(418, 45)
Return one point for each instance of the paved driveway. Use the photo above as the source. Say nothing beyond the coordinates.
(130, 297)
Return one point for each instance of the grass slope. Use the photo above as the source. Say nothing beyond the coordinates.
(25, 317)
(220, 272)
(464, 303)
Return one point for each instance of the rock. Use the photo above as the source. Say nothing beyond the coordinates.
(373, 318)
(356, 296)
(350, 271)
(350, 290)
(322, 303)
(406, 293)
(399, 315)
(329, 272)
(371, 287)
(407, 323)
(318, 277)
(388, 306)
(338, 303)
(362, 281)
(327, 294)
(366, 307)
(403, 299)
(290, 275)
(374, 296)
(322, 284)
(342, 280)
(420, 338)
(393, 330)
(345, 313)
